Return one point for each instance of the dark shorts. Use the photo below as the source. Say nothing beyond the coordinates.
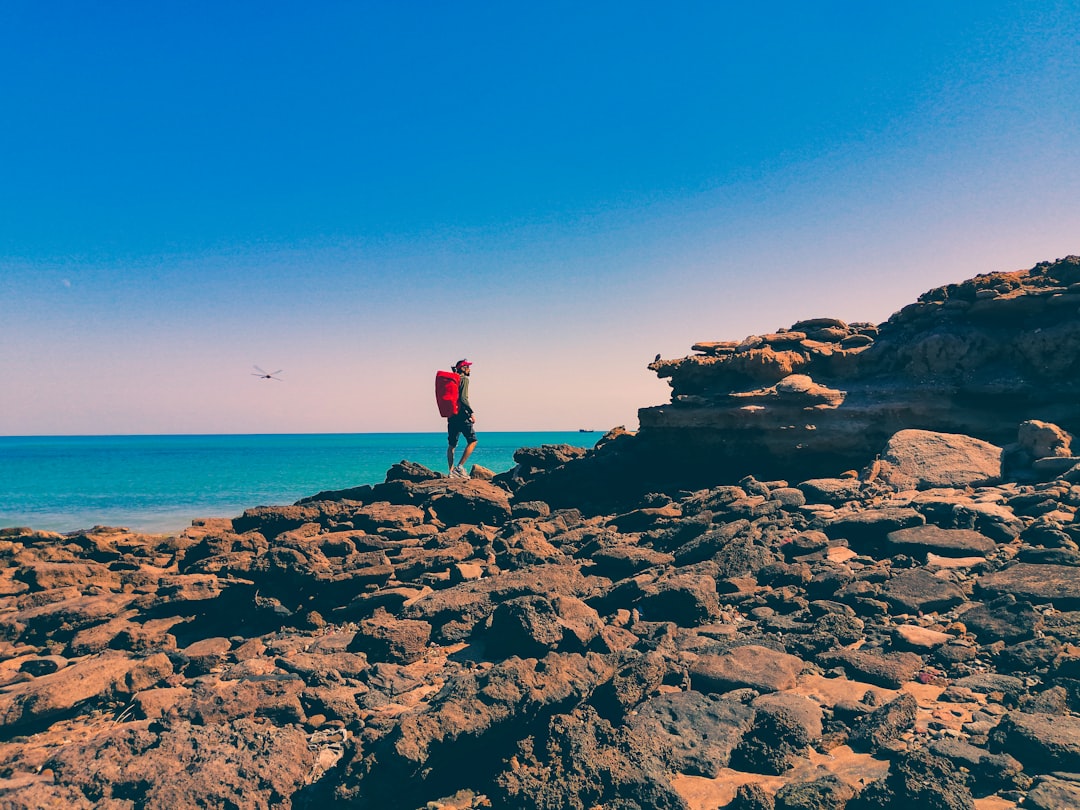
(460, 424)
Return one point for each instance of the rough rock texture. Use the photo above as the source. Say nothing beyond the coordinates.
(806, 640)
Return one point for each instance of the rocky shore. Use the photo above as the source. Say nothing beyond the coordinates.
(671, 619)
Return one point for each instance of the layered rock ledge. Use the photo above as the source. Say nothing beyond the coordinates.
(822, 396)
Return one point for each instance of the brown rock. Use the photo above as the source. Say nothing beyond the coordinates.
(1043, 742)
(618, 562)
(920, 637)
(245, 765)
(918, 591)
(748, 666)
(100, 678)
(1059, 584)
(891, 670)
(1049, 793)
(386, 638)
(945, 542)
(885, 723)
(922, 459)
(276, 698)
(1042, 439)
(206, 654)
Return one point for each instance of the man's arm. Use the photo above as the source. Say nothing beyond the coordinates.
(463, 397)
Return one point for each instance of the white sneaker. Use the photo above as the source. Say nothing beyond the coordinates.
(459, 471)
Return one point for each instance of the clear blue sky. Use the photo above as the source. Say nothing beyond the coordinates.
(360, 193)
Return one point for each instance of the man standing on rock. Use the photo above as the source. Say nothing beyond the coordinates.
(461, 423)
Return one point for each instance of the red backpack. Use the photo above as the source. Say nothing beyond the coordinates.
(447, 391)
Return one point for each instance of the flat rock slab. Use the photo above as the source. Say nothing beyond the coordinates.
(866, 531)
(921, 637)
(890, 670)
(918, 591)
(750, 666)
(1053, 794)
(619, 562)
(945, 542)
(1059, 584)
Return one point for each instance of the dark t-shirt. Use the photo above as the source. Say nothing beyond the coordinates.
(463, 397)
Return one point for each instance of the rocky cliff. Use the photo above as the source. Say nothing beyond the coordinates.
(822, 396)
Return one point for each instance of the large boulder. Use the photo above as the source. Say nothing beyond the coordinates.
(924, 459)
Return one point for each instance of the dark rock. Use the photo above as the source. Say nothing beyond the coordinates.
(526, 509)
(619, 562)
(410, 471)
(527, 626)
(884, 724)
(472, 502)
(1049, 793)
(633, 683)
(583, 762)
(686, 599)
(918, 591)
(1009, 687)
(917, 779)
(824, 793)
(832, 491)
(945, 542)
(867, 531)
(752, 796)
(710, 543)
(270, 521)
(1043, 742)
(891, 670)
(1004, 618)
(434, 750)
(387, 638)
(996, 771)
(1057, 584)
(783, 726)
(547, 456)
(695, 733)
(454, 611)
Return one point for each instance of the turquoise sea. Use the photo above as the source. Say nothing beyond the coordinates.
(160, 483)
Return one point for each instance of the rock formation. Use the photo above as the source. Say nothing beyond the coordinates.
(907, 635)
(822, 396)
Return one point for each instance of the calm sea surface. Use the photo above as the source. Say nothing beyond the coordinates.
(160, 483)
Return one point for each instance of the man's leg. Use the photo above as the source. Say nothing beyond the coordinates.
(451, 438)
(464, 456)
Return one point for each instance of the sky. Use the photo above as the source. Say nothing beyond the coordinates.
(362, 193)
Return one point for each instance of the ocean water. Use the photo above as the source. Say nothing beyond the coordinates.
(159, 484)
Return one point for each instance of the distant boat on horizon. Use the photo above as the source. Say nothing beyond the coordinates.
(586, 430)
